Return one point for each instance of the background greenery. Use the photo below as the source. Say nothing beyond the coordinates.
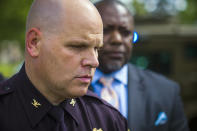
(13, 17)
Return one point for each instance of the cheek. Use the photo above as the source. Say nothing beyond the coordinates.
(128, 43)
(128, 47)
(106, 38)
(129, 39)
(68, 62)
(56, 62)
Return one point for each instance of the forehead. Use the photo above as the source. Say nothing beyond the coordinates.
(82, 26)
(94, 39)
(85, 18)
(80, 32)
(116, 14)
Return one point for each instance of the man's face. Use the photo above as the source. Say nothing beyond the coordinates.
(118, 35)
(68, 58)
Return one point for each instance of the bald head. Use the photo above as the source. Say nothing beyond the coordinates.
(62, 38)
(118, 34)
(113, 6)
(50, 15)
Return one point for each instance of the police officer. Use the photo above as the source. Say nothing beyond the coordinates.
(50, 92)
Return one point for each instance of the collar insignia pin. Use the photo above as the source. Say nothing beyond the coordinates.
(97, 129)
(35, 103)
(73, 102)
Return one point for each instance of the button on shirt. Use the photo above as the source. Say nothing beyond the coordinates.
(119, 85)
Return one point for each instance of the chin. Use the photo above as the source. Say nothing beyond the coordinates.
(114, 66)
(80, 92)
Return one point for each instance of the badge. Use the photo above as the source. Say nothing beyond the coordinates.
(35, 103)
(73, 102)
(97, 129)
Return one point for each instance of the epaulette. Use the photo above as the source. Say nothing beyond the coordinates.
(5, 87)
(96, 97)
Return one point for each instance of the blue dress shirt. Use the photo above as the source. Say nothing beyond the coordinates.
(119, 84)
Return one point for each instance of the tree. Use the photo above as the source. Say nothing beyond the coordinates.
(13, 15)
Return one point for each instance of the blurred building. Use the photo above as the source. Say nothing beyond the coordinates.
(10, 57)
(10, 52)
(170, 49)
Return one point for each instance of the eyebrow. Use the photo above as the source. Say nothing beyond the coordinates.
(100, 43)
(77, 42)
(109, 25)
(84, 42)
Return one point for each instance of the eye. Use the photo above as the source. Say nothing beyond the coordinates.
(124, 31)
(97, 48)
(107, 29)
(78, 47)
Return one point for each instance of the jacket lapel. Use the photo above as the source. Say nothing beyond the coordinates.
(136, 99)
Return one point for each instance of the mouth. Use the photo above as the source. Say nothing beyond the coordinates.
(85, 78)
(115, 55)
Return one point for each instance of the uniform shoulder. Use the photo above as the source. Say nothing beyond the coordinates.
(6, 86)
(94, 98)
(99, 109)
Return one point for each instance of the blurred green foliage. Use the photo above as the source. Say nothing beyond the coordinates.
(139, 7)
(12, 19)
(9, 69)
(12, 27)
(189, 16)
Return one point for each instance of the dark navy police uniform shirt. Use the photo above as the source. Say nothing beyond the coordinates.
(23, 108)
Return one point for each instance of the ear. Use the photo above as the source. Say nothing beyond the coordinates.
(33, 41)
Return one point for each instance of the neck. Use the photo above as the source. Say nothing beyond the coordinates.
(53, 97)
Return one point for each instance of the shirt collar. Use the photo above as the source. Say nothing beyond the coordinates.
(120, 75)
(72, 108)
(98, 74)
(35, 104)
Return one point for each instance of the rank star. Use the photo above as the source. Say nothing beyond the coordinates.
(35, 103)
(73, 102)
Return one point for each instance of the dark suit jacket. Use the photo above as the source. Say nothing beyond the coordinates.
(148, 95)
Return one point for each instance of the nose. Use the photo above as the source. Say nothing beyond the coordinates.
(116, 37)
(91, 59)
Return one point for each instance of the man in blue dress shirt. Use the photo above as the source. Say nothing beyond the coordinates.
(148, 100)
(119, 84)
